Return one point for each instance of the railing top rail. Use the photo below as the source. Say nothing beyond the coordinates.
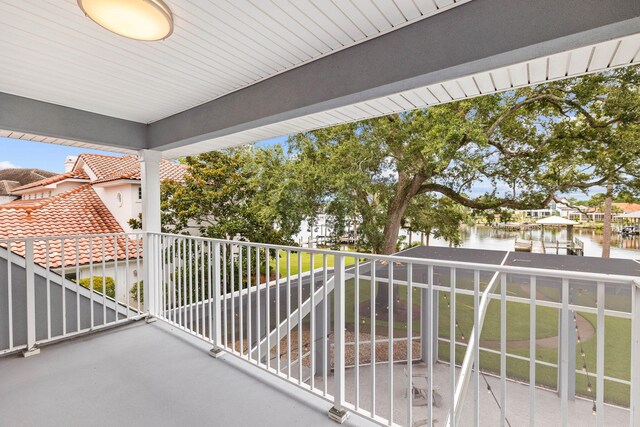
(581, 275)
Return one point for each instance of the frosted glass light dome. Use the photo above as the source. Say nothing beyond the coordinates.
(146, 20)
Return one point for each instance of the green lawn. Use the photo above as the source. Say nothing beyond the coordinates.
(318, 262)
(617, 338)
(617, 330)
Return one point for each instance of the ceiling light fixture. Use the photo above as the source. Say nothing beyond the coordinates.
(145, 20)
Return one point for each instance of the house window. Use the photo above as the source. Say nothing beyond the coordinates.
(139, 193)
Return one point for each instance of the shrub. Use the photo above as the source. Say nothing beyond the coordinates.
(97, 284)
(134, 291)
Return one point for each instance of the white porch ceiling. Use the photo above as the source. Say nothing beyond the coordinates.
(61, 141)
(51, 52)
(589, 59)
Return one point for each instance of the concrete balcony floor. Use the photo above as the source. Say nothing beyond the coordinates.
(146, 374)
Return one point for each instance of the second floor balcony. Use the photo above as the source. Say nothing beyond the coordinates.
(429, 336)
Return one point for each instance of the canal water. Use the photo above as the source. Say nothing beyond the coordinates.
(484, 237)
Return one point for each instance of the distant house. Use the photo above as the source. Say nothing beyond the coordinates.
(13, 178)
(97, 195)
(627, 207)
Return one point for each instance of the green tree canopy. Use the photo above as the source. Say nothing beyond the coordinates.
(244, 193)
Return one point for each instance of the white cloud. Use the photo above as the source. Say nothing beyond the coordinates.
(5, 164)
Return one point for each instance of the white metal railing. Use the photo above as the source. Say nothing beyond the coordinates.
(310, 317)
(53, 288)
(320, 328)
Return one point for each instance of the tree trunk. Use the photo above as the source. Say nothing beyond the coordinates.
(406, 190)
(606, 229)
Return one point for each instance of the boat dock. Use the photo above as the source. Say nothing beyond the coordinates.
(572, 247)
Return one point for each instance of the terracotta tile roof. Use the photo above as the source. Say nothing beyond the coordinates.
(628, 207)
(111, 168)
(103, 166)
(76, 212)
(79, 211)
(168, 171)
(76, 174)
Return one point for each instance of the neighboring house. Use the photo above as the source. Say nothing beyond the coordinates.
(96, 196)
(17, 177)
(625, 208)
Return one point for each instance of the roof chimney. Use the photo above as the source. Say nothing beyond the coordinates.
(69, 162)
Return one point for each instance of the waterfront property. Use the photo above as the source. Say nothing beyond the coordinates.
(466, 338)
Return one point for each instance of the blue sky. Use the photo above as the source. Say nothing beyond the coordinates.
(29, 154)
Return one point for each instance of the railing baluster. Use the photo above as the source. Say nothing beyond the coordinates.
(288, 314)
(104, 268)
(410, 344)
(312, 326)
(203, 288)
(372, 340)
(476, 343)
(356, 324)
(338, 413)
(503, 349)
(91, 314)
(184, 300)
(635, 353)
(390, 358)
(31, 299)
(452, 344)
(277, 347)
(212, 335)
(240, 299)
(225, 292)
(174, 282)
(126, 276)
(194, 288)
(564, 354)
(325, 321)
(430, 339)
(10, 294)
(115, 278)
(217, 297)
(600, 335)
(48, 284)
(300, 349)
(63, 294)
(258, 313)
(138, 275)
(268, 307)
(249, 307)
(233, 300)
(78, 284)
(532, 350)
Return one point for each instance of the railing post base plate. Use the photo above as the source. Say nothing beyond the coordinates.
(31, 352)
(150, 319)
(338, 415)
(216, 353)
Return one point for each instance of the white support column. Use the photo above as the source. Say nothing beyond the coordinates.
(150, 174)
